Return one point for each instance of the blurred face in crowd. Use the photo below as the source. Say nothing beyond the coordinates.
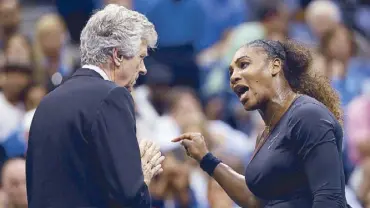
(51, 35)
(187, 103)
(251, 76)
(340, 45)
(18, 50)
(10, 15)
(277, 24)
(130, 69)
(15, 84)
(187, 110)
(14, 182)
(320, 24)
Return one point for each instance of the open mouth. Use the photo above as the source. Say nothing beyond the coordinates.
(240, 90)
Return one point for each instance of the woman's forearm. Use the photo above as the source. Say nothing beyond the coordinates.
(235, 186)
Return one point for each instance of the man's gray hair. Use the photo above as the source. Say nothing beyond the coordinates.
(115, 27)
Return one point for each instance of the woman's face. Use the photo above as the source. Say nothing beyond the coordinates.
(251, 76)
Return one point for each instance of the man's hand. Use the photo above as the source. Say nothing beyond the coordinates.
(151, 160)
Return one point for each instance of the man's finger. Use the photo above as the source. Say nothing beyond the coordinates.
(159, 160)
(142, 147)
(156, 148)
(159, 172)
(156, 169)
(155, 158)
(149, 151)
(153, 151)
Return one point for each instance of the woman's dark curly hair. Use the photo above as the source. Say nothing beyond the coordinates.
(297, 70)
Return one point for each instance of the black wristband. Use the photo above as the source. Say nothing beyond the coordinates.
(209, 163)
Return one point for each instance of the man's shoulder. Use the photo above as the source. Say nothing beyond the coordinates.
(83, 86)
(120, 97)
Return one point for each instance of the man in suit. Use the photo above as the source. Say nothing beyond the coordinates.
(83, 150)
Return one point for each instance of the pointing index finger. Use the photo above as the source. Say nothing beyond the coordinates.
(188, 136)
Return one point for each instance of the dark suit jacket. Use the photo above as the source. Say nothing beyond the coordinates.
(83, 150)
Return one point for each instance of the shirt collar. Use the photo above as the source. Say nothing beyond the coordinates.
(98, 70)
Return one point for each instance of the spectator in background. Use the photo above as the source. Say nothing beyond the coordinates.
(358, 128)
(346, 69)
(18, 50)
(322, 16)
(319, 16)
(154, 92)
(10, 18)
(13, 181)
(12, 109)
(151, 100)
(53, 63)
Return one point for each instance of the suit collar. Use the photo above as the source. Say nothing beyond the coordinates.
(98, 70)
(87, 72)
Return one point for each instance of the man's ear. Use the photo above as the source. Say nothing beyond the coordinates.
(277, 66)
(117, 57)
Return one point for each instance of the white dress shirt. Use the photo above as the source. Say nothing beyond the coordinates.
(98, 70)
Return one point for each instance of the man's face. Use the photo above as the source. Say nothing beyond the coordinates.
(130, 69)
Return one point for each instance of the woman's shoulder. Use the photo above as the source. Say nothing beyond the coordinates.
(310, 123)
(309, 108)
(308, 113)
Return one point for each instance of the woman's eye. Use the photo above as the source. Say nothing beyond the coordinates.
(230, 73)
(244, 65)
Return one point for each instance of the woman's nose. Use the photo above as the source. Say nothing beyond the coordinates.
(234, 78)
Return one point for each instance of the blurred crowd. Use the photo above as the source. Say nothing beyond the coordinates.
(187, 87)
